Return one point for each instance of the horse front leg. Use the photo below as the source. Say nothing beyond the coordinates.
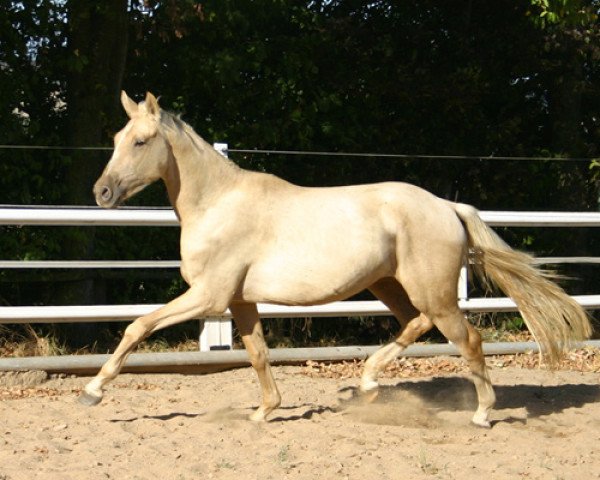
(248, 323)
(192, 304)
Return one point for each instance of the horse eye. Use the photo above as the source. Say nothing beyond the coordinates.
(139, 143)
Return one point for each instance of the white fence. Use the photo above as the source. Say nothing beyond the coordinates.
(217, 332)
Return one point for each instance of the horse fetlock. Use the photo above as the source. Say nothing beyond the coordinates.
(368, 381)
(273, 401)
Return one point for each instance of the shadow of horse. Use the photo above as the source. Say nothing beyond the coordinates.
(450, 394)
(307, 415)
(164, 418)
(229, 413)
(417, 403)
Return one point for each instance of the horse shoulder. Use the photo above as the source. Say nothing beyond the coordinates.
(217, 239)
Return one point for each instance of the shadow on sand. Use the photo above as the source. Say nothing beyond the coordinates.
(417, 403)
(424, 398)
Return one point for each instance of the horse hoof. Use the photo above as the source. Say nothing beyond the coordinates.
(482, 423)
(89, 400)
(257, 416)
(480, 418)
(369, 396)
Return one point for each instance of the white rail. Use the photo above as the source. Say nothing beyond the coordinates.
(62, 216)
(65, 216)
(161, 217)
(166, 264)
(369, 308)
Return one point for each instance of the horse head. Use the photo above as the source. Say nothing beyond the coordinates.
(140, 156)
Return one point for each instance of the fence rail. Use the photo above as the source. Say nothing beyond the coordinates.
(171, 264)
(162, 217)
(83, 216)
(216, 360)
(368, 308)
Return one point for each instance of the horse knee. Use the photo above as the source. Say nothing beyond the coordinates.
(135, 331)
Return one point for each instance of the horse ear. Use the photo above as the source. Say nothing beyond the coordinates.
(131, 108)
(151, 104)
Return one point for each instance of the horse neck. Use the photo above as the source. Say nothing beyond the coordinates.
(197, 175)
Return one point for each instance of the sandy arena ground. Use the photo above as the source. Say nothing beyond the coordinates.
(546, 425)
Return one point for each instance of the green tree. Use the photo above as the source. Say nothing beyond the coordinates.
(424, 77)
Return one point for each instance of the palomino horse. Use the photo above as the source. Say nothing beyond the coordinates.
(249, 237)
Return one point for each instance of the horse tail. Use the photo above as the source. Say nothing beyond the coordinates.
(554, 319)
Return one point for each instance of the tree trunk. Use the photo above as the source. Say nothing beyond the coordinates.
(97, 46)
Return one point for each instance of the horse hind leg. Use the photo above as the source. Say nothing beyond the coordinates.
(382, 358)
(413, 323)
(455, 327)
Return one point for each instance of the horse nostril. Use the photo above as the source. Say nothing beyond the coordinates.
(106, 194)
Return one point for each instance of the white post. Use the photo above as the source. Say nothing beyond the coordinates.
(222, 148)
(216, 333)
(463, 283)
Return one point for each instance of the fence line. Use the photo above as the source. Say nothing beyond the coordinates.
(73, 216)
(186, 361)
(317, 153)
(215, 333)
(349, 308)
(172, 264)
(406, 156)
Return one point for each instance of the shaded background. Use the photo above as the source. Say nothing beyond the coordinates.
(424, 79)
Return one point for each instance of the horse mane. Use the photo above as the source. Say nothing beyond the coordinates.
(173, 123)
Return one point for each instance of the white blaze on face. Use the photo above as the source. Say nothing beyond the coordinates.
(116, 153)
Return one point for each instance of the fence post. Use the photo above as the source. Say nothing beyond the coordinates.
(215, 332)
(463, 283)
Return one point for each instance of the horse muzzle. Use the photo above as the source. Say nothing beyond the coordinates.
(107, 192)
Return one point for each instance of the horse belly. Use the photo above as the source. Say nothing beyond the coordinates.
(307, 274)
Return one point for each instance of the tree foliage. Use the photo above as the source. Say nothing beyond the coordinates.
(422, 78)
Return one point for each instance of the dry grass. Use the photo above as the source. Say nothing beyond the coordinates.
(162, 345)
(28, 344)
(580, 360)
